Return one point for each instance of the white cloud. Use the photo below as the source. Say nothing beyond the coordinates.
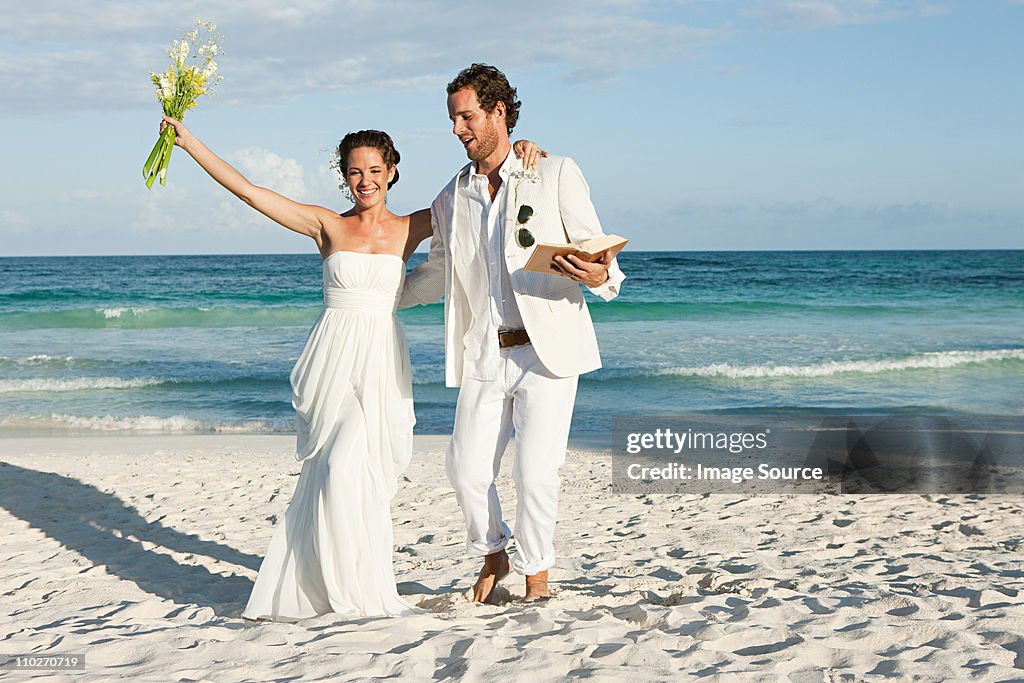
(230, 216)
(162, 209)
(63, 57)
(88, 194)
(811, 14)
(267, 169)
(13, 220)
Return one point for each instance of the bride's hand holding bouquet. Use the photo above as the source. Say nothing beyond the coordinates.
(191, 74)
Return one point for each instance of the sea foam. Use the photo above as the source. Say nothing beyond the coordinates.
(924, 361)
(10, 386)
(145, 423)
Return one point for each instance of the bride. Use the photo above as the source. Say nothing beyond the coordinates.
(351, 390)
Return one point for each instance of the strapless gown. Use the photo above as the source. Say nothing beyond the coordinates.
(352, 393)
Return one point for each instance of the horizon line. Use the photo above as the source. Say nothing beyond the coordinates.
(631, 251)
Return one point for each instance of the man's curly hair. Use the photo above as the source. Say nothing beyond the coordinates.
(491, 86)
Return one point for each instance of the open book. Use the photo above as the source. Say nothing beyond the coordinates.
(589, 251)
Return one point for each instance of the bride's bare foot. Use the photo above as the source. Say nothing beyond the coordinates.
(496, 567)
(537, 587)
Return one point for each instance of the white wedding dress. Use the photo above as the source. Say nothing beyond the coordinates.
(352, 393)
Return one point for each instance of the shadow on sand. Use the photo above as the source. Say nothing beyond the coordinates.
(108, 532)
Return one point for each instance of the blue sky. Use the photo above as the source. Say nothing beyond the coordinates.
(699, 124)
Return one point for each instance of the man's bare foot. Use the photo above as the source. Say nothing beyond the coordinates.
(537, 587)
(496, 567)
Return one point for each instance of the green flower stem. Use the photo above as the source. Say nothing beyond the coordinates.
(156, 164)
(148, 166)
(165, 162)
(152, 172)
(162, 151)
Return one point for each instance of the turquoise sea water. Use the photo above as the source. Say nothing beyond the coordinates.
(205, 343)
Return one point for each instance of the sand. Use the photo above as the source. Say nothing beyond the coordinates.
(139, 552)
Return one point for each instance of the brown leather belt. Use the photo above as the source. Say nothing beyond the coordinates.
(507, 338)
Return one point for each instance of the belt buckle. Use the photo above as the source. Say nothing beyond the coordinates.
(513, 338)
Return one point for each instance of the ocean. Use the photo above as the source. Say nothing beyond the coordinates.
(205, 343)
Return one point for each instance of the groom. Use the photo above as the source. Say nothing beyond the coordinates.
(515, 341)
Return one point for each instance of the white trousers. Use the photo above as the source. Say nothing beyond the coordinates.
(538, 406)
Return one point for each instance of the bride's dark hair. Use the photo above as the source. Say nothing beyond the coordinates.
(377, 139)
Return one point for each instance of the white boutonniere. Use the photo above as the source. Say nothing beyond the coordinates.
(521, 175)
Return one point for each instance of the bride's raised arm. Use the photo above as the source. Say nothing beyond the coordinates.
(305, 219)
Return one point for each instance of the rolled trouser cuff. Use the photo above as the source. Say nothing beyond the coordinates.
(486, 548)
(531, 568)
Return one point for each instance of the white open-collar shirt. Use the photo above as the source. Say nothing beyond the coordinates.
(495, 308)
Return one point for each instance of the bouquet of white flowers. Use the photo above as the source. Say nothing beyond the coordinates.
(193, 72)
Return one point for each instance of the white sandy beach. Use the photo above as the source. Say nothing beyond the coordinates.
(139, 552)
